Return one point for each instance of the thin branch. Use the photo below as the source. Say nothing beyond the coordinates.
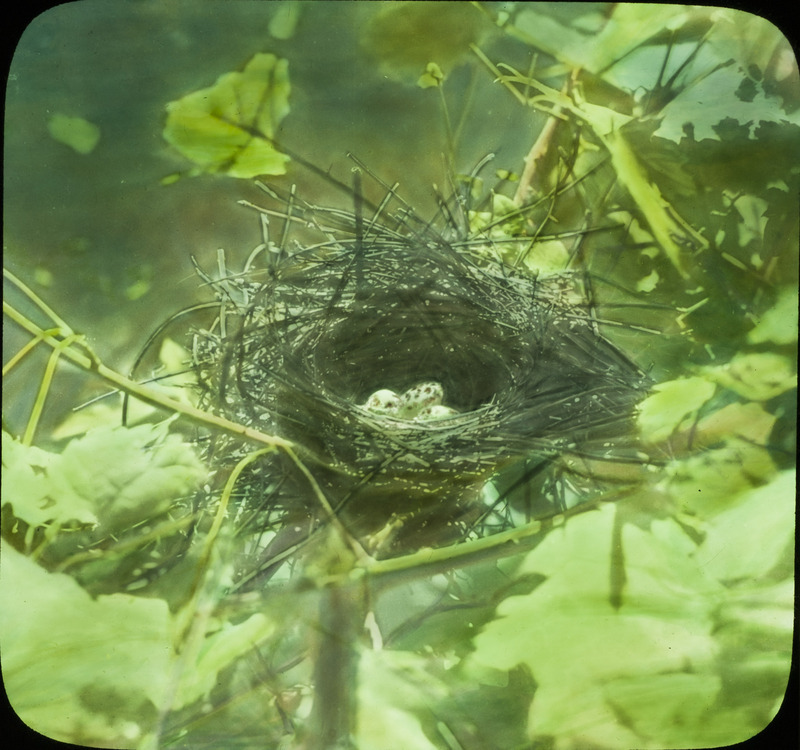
(427, 561)
(90, 362)
(538, 152)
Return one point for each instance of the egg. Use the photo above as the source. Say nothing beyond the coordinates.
(416, 399)
(383, 401)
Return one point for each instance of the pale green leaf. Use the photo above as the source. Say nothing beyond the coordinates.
(712, 481)
(219, 650)
(432, 77)
(751, 40)
(576, 641)
(80, 669)
(748, 421)
(28, 489)
(284, 20)
(708, 102)
(747, 540)
(661, 413)
(128, 475)
(394, 690)
(405, 36)
(79, 134)
(758, 376)
(779, 324)
(629, 26)
(664, 706)
(220, 128)
(649, 282)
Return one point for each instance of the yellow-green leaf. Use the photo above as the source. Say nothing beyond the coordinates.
(78, 669)
(432, 77)
(673, 234)
(75, 132)
(228, 127)
(662, 412)
(779, 324)
(758, 376)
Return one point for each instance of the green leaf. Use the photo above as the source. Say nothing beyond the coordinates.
(79, 134)
(405, 36)
(661, 413)
(758, 376)
(226, 127)
(80, 669)
(28, 490)
(655, 667)
(663, 706)
(394, 689)
(629, 26)
(578, 644)
(747, 421)
(712, 481)
(219, 650)
(779, 324)
(432, 77)
(746, 541)
(713, 99)
(751, 40)
(125, 475)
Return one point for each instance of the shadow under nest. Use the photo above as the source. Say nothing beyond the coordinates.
(408, 365)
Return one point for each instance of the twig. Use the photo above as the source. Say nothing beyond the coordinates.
(91, 363)
(539, 150)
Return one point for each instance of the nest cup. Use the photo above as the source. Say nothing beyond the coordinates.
(518, 360)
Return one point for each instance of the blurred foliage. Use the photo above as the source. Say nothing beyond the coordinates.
(663, 619)
(225, 128)
(75, 132)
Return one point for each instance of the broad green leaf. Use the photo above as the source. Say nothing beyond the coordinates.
(28, 490)
(79, 134)
(709, 101)
(750, 40)
(758, 376)
(664, 706)
(646, 671)
(673, 234)
(394, 690)
(113, 503)
(219, 650)
(661, 413)
(747, 421)
(576, 642)
(220, 128)
(404, 37)
(779, 324)
(80, 669)
(746, 541)
(629, 26)
(715, 480)
(126, 475)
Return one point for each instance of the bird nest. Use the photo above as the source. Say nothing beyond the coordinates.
(409, 366)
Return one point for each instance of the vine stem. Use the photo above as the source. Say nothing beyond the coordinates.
(89, 361)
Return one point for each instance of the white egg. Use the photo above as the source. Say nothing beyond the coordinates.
(435, 411)
(417, 398)
(383, 401)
